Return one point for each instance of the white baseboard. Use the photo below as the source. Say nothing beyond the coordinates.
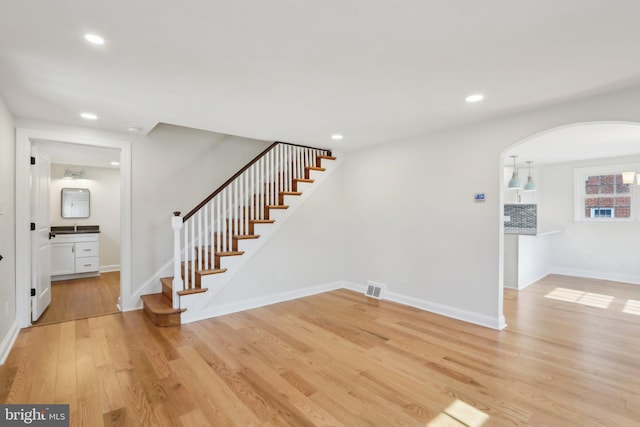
(448, 311)
(444, 310)
(223, 309)
(600, 275)
(109, 268)
(7, 343)
(531, 282)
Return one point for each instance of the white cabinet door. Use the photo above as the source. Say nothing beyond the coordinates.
(63, 259)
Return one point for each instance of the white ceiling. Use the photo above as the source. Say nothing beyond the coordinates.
(298, 71)
(579, 142)
(79, 155)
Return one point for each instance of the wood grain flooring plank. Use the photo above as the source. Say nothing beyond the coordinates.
(136, 403)
(343, 359)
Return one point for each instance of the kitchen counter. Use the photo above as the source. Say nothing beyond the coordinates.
(530, 231)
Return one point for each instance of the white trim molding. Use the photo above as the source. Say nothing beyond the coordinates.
(599, 275)
(24, 139)
(498, 323)
(7, 343)
(249, 304)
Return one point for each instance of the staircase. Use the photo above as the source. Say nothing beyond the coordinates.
(208, 240)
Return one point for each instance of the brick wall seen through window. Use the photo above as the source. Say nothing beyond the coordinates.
(607, 196)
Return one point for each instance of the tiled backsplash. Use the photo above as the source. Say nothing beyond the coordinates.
(523, 216)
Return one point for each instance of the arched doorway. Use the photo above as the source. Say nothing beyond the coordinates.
(582, 245)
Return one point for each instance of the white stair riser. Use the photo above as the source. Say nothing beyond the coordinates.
(277, 214)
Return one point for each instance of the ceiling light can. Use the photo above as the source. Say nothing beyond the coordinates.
(88, 116)
(94, 38)
(476, 97)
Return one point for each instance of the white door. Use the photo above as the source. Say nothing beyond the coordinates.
(40, 247)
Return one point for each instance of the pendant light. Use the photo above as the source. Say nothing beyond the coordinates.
(514, 182)
(530, 185)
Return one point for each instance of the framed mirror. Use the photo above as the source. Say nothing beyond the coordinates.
(75, 203)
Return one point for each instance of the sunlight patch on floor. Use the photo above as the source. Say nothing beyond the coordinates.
(459, 414)
(580, 297)
(632, 307)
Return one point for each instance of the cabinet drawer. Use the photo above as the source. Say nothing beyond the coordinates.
(84, 265)
(86, 249)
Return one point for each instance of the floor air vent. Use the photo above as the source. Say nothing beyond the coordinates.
(374, 290)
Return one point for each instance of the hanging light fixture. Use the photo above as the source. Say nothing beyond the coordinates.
(530, 185)
(514, 182)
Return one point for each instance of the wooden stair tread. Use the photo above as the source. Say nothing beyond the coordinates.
(304, 180)
(245, 236)
(316, 168)
(212, 271)
(326, 157)
(277, 207)
(192, 291)
(159, 304)
(262, 221)
(229, 253)
(291, 193)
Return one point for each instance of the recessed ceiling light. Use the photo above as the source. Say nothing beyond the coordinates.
(94, 38)
(134, 129)
(474, 98)
(114, 163)
(336, 136)
(88, 116)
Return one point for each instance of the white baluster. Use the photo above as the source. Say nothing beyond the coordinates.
(192, 252)
(176, 224)
(185, 231)
(198, 241)
(205, 221)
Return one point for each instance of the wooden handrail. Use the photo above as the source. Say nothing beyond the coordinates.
(240, 172)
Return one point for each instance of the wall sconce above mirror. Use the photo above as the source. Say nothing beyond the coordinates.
(75, 203)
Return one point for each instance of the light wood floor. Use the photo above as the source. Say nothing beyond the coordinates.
(341, 359)
(80, 298)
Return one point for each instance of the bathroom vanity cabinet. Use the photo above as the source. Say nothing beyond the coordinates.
(75, 255)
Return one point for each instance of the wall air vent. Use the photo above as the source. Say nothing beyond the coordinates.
(374, 290)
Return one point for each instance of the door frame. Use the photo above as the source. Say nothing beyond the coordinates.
(24, 139)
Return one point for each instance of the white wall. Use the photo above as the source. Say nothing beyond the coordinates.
(8, 325)
(104, 188)
(306, 252)
(603, 250)
(172, 169)
(410, 207)
(407, 207)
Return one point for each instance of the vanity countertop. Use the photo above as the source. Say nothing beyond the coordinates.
(73, 229)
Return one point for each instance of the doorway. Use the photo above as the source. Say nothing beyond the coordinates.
(25, 138)
(569, 240)
(84, 195)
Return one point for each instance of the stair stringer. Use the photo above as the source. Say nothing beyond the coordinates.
(201, 306)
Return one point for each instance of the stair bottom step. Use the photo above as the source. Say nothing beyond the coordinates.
(159, 309)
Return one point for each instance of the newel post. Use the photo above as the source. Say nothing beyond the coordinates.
(176, 224)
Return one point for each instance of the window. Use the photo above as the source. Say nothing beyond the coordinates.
(602, 195)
